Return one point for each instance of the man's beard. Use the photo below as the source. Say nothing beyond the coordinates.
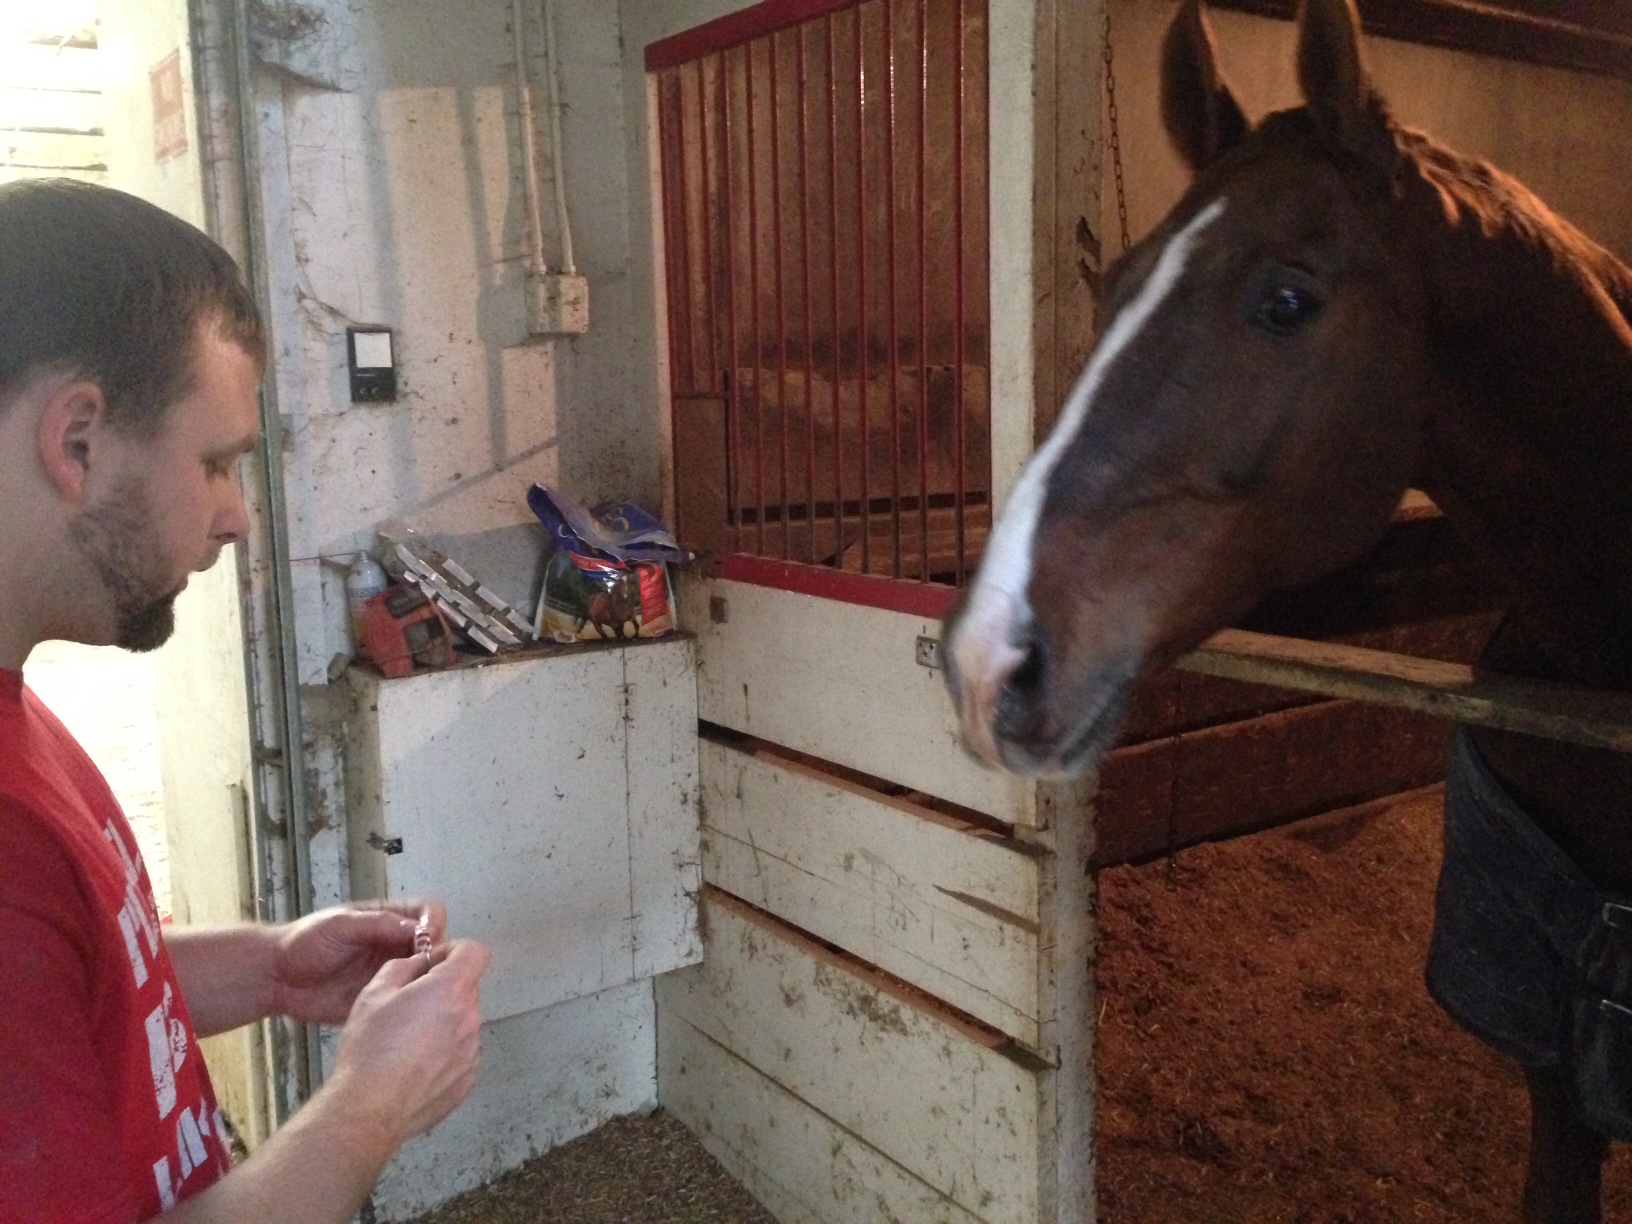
(116, 536)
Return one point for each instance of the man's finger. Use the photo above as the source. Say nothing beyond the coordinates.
(374, 927)
(428, 909)
(465, 957)
(397, 973)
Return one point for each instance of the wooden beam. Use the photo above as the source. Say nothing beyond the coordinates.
(59, 111)
(1593, 717)
(1582, 35)
(53, 151)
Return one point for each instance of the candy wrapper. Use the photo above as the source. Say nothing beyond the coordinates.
(609, 577)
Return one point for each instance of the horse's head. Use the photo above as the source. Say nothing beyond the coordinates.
(1247, 421)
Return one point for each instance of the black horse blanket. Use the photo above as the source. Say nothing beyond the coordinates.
(1526, 954)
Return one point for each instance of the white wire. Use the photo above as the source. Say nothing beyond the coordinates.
(529, 141)
(552, 73)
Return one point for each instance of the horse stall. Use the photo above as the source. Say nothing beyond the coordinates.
(882, 240)
(877, 233)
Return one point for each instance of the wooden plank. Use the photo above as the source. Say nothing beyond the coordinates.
(1069, 1094)
(50, 110)
(1582, 35)
(949, 908)
(665, 870)
(1174, 700)
(797, 1162)
(841, 682)
(1448, 690)
(1011, 137)
(903, 1078)
(1256, 773)
(32, 66)
(53, 151)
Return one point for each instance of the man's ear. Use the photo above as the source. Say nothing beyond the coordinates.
(71, 430)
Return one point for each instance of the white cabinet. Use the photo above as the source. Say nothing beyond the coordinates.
(550, 799)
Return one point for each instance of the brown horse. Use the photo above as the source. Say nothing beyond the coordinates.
(1338, 309)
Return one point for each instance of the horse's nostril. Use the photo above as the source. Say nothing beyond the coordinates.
(1022, 696)
(1027, 679)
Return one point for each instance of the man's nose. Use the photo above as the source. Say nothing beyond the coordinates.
(232, 523)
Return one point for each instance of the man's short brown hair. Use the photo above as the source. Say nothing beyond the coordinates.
(100, 284)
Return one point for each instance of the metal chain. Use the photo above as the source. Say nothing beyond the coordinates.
(1116, 138)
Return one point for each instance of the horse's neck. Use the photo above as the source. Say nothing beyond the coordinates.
(1529, 449)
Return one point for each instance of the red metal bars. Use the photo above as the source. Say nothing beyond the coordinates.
(834, 343)
(824, 223)
(923, 295)
(960, 539)
(804, 280)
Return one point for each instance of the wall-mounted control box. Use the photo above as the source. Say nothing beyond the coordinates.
(372, 361)
(557, 304)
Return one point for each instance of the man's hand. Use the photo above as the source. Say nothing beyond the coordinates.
(322, 962)
(409, 1053)
(411, 1048)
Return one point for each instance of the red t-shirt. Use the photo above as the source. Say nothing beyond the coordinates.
(106, 1109)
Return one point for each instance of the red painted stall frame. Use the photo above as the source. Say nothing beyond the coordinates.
(824, 184)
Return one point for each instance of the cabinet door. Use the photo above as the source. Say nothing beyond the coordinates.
(550, 801)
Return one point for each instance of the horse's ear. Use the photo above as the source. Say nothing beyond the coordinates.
(1336, 86)
(1202, 117)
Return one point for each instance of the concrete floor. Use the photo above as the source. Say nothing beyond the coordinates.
(106, 698)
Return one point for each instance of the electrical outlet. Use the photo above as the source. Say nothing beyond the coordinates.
(557, 304)
(929, 653)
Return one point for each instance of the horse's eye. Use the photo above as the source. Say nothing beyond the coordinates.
(1284, 309)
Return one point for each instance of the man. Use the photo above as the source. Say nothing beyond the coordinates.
(129, 358)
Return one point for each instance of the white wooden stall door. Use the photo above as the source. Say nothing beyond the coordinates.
(897, 963)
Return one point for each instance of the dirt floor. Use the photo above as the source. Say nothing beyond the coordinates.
(1269, 1052)
(1268, 1055)
(632, 1171)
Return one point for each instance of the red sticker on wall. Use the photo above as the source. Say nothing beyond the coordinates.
(169, 108)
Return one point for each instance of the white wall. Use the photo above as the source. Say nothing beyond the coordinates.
(390, 169)
(200, 690)
(398, 201)
(1564, 133)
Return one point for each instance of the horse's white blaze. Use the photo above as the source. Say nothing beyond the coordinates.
(983, 647)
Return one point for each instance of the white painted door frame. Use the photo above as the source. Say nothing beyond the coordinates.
(229, 123)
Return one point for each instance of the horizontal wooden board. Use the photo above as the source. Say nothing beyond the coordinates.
(1581, 35)
(795, 1160)
(53, 151)
(50, 110)
(841, 682)
(1175, 700)
(950, 908)
(36, 66)
(1259, 772)
(1593, 717)
(920, 1088)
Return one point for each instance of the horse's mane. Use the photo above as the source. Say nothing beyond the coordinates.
(1473, 188)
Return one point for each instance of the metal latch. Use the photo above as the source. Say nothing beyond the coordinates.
(928, 653)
